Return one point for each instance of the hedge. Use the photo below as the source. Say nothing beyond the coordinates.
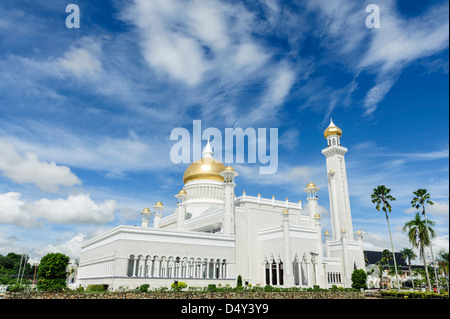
(413, 294)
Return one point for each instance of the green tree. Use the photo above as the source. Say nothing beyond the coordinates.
(443, 261)
(408, 255)
(359, 277)
(422, 197)
(52, 272)
(239, 281)
(386, 256)
(419, 237)
(381, 197)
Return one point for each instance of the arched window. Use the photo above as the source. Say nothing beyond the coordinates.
(295, 266)
(274, 273)
(267, 273)
(131, 265)
(280, 272)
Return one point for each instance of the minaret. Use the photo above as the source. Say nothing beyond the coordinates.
(228, 187)
(313, 209)
(182, 194)
(145, 217)
(159, 207)
(337, 183)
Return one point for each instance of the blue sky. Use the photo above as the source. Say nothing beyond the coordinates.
(86, 114)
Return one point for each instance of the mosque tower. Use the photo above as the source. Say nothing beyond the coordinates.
(341, 218)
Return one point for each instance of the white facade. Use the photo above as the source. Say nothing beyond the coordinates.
(214, 236)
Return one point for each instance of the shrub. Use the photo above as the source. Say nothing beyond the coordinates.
(359, 277)
(239, 281)
(95, 288)
(413, 294)
(144, 288)
(268, 288)
(16, 288)
(178, 286)
(211, 288)
(52, 285)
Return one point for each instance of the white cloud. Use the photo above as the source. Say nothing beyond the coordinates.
(75, 209)
(70, 247)
(82, 60)
(29, 169)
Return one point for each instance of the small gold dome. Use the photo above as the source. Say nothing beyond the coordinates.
(146, 210)
(311, 185)
(358, 232)
(229, 169)
(205, 168)
(159, 204)
(285, 211)
(326, 233)
(316, 216)
(182, 192)
(332, 130)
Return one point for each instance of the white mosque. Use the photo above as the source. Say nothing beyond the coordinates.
(213, 236)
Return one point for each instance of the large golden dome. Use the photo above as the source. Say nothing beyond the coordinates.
(205, 168)
(332, 130)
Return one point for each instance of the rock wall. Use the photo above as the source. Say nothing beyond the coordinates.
(188, 295)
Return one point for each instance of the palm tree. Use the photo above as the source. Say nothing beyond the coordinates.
(386, 256)
(421, 198)
(443, 261)
(420, 238)
(381, 197)
(408, 255)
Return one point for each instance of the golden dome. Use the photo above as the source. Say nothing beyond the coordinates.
(332, 130)
(316, 216)
(205, 168)
(146, 210)
(229, 169)
(326, 233)
(311, 185)
(182, 192)
(159, 204)
(285, 211)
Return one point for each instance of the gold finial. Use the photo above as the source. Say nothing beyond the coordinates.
(146, 210)
(159, 204)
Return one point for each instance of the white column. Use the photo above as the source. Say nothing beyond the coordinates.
(134, 266)
(288, 279)
(346, 267)
(335, 206)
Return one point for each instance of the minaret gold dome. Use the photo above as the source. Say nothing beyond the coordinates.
(332, 130)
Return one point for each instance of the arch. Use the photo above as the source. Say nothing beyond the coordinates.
(281, 273)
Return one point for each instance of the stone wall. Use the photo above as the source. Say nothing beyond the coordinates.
(189, 295)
